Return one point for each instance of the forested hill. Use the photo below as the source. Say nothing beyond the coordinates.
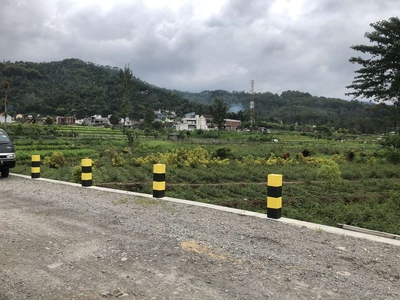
(293, 107)
(74, 87)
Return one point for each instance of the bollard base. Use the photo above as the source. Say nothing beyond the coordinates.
(274, 213)
(87, 183)
(158, 194)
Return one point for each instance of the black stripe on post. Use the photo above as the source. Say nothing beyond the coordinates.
(86, 169)
(159, 177)
(35, 164)
(274, 191)
(274, 213)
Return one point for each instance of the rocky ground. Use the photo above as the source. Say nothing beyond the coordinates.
(62, 241)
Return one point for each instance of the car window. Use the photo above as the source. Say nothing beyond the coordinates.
(4, 138)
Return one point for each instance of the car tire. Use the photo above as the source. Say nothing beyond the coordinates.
(5, 172)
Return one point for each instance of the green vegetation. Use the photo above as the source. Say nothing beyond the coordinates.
(327, 181)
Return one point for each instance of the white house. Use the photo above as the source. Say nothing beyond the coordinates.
(96, 120)
(192, 123)
(8, 119)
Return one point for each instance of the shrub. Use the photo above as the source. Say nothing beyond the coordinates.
(76, 174)
(330, 173)
(350, 155)
(118, 159)
(306, 152)
(56, 160)
(393, 156)
(223, 152)
(371, 161)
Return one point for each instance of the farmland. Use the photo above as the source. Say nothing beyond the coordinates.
(327, 181)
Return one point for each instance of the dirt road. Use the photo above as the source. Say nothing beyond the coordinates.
(68, 242)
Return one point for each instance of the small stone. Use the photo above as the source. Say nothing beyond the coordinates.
(124, 259)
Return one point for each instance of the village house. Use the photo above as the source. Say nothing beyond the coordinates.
(232, 125)
(60, 120)
(7, 119)
(192, 121)
(96, 120)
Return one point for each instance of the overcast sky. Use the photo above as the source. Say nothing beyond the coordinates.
(200, 45)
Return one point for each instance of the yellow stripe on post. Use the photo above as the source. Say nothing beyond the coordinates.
(159, 168)
(275, 180)
(274, 203)
(274, 196)
(35, 166)
(86, 176)
(159, 186)
(159, 180)
(87, 172)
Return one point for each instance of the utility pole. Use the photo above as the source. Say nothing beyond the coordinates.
(252, 104)
(5, 87)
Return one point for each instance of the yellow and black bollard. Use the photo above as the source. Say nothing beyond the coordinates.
(87, 172)
(158, 180)
(35, 166)
(274, 196)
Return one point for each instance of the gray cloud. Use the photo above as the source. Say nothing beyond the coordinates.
(177, 49)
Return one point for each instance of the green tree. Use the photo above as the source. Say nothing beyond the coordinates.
(114, 119)
(149, 117)
(379, 75)
(125, 78)
(219, 111)
(48, 121)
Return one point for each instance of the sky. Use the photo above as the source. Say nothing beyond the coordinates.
(300, 45)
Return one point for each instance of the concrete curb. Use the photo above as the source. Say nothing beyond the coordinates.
(309, 225)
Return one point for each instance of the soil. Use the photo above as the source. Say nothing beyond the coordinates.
(61, 241)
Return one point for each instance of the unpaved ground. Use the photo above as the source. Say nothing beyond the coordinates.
(67, 242)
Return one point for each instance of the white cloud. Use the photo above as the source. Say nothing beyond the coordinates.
(200, 44)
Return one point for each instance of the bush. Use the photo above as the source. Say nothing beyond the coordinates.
(305, 153)
(223, 152)
(56, 160)
(393, 156)
(118, 159)
(330, 173)
(350, 155)
(76, 174)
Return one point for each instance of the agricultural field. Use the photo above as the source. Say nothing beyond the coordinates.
(350, 179)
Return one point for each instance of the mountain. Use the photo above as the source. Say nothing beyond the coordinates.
(75, 87)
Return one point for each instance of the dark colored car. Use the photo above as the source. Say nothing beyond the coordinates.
(7, 154)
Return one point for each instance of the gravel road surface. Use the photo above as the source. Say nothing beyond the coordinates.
(61, 241)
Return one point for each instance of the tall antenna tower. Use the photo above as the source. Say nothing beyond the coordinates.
(252, 103)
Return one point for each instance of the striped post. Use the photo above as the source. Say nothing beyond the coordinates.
(87, 172)
(274, 196)
(158, 180)
(35, 166)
